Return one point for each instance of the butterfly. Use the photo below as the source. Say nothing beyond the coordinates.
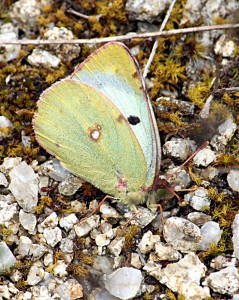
(100, 124)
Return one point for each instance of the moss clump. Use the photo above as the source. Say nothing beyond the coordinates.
(44, 201)
(167, 74)
(198, 93)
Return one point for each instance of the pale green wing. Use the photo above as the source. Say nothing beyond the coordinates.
(90, 136)
(114, 71)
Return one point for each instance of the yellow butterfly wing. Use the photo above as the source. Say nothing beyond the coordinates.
(90, 136)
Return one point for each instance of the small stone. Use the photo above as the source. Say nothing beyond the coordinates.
(191, 12)
(221, 262)
(3, 180)
(211, 234)
(43, 58)
(5, 124)
(48, 259)
(38, 250)
(166, 252)
(24, 247)
(148, 10)
(123, 283)
(4, 292)
(9, 163)
(27, 220)
(135, 261)
(67, 245)
(144, 216)
(54, 170)
(225, 281)
(50, 221)
(182, 277)
(25, 13)
(235, 235)
(12, 288)
(233, 180)
(60, 269)
(71, 289)
(116, 246)
(105, 227)
(9, 52)
(108, 211)
(225, 47)
(209, 173)
(77, 206)
(147, 242)
(226, 132)
(198, 218)
(104, 238)
(15, 275)
(7, 259)
(26, 139)
(70, 185)
(178, 148)
(35, 275)
(180, 179)
(182, 234)
(198, 199)
(68, 222)
(84, 227)
(52, 235)
(24, 186)
(103, 264)
(44, 181)
(204, 157)
(7, 211)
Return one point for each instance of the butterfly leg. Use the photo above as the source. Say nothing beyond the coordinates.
(97, 208)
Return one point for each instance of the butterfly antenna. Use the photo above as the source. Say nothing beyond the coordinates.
(161, 210)
(97, 208)
(135, 213)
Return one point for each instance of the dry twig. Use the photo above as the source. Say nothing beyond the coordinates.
(122, 37)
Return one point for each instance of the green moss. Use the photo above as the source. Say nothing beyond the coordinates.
(197, 94)
(225, 159)
(188, 49)
(21, 284)
(113, 10)
(176, 15)
(170, 295)
(167, 73)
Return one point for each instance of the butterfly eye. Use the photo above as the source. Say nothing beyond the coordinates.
(133, 120)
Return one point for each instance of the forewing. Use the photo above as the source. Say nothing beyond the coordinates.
(114, 71)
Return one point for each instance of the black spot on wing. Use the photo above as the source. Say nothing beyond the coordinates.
(133, 120)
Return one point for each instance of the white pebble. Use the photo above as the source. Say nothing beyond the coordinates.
(211, 234)
(225, 281)
(123, 283)
(52, 235)
(182, 234)
(233, 180)
(204, 157)
(24, 186)
(198, 199)
(35, 275)
(235, 235)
